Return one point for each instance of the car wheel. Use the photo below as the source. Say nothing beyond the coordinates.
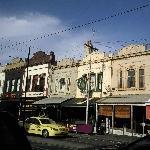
(45, 133)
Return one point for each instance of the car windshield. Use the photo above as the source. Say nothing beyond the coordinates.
(47, 121)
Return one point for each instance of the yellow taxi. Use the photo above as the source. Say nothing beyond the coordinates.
(44, 126)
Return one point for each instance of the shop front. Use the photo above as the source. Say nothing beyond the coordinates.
(75, 109)
(51, 107)
(125, 111)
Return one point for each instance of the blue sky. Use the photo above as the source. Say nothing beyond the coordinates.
(25, 20)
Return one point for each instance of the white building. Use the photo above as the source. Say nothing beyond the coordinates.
(2, 79)
(37, 84)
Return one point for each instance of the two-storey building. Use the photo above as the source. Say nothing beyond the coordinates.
(129, 104)
(12, 89)
(35, 79)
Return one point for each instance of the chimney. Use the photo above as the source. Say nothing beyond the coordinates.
(52, 57)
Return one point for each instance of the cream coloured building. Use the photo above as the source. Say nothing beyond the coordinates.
(96, 66)
(129, 103)
(62, 79)
(131, 71)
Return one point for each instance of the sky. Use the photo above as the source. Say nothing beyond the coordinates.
(30, 23)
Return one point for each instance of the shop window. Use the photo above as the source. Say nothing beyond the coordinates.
(131, 78)
(34, 83)
(99, 81)
(141, 78)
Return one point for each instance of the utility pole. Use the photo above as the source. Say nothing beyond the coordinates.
(88, 90)
(24, 106)
(103, 65)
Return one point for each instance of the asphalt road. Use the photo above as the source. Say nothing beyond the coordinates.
(80, 141)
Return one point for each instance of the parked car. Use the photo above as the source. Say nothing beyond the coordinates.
(44, 126)
(80, 127)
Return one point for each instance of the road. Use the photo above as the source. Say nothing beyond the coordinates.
(80, 141)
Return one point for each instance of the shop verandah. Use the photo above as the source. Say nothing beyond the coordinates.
(126, 111)
(116, 111)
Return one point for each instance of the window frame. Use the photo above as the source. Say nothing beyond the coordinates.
(120, 85)
(35, 83)
(62, 85)
(142, 76)
(99, 81)
(131, 79)
(94, 81)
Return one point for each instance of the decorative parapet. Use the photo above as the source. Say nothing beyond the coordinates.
(66, 63)
(15, 63)
(147, 52)
(40, 58)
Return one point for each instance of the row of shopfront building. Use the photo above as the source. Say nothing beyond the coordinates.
(116, 86)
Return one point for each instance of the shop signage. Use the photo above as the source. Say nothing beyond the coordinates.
(122, 111)
(105, 110)
(148, 112)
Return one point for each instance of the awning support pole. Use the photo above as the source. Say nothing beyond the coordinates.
(132, 119)
(113, 118)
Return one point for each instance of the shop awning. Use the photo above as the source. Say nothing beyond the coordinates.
(135, 99)
(52, 100)
(78, 102)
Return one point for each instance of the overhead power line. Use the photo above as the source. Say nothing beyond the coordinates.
(75, 27)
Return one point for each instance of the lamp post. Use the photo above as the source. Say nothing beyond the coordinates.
(24, 106)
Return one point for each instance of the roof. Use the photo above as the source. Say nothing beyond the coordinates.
(125, 99)
(52, 100)
(77, 102)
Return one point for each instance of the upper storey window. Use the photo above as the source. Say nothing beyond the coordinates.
(120, 80)
(62, 84)
(34, 83)
(141, 78)
(131, 78)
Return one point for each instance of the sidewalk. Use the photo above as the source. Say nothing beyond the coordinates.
(125, 132)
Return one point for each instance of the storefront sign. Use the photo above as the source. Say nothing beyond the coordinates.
(105, 110)
(148, 112)
(122, 111)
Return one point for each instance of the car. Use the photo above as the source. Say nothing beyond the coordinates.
(44, 126)
(80, 127)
